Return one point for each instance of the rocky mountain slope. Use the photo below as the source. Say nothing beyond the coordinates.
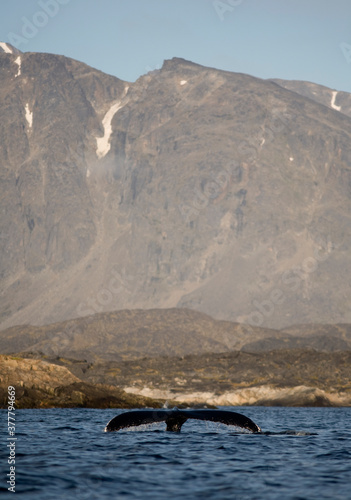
(131, 335)
(39, 384)
(191, 187)
(292, 377)
(177, 355)
(340, 101)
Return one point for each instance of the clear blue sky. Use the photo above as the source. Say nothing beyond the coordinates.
(290, 39)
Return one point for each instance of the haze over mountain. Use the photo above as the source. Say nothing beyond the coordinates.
(191, 187)
(134, 335)
(175, 355)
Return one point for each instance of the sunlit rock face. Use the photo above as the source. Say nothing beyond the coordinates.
(190, 187)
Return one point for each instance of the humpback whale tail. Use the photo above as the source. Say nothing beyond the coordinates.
(175, 418)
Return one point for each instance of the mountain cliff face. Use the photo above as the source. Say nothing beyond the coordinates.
(136, 334)
(340, 101)
(191, 187)
(45, 385)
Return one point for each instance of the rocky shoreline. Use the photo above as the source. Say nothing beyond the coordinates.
(255, 396)
(230, 379)
(40, 384)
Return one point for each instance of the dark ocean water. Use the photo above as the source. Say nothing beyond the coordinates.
(303, 453)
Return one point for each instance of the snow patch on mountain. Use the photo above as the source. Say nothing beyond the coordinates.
(103, 143)
(6, 48)
(29, 116)
(332, 104)
(18, 62)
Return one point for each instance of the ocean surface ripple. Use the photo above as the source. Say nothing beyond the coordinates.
(302, 453)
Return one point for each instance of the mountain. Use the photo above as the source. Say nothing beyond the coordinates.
(7, 48)
(340, 101)
(190, 188)
(45, 385)
(177, 355)
(294, 377)
(130, 335)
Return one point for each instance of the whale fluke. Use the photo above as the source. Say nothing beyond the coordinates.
(175, 418)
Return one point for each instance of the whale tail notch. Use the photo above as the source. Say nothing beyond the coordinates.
(175, 418)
